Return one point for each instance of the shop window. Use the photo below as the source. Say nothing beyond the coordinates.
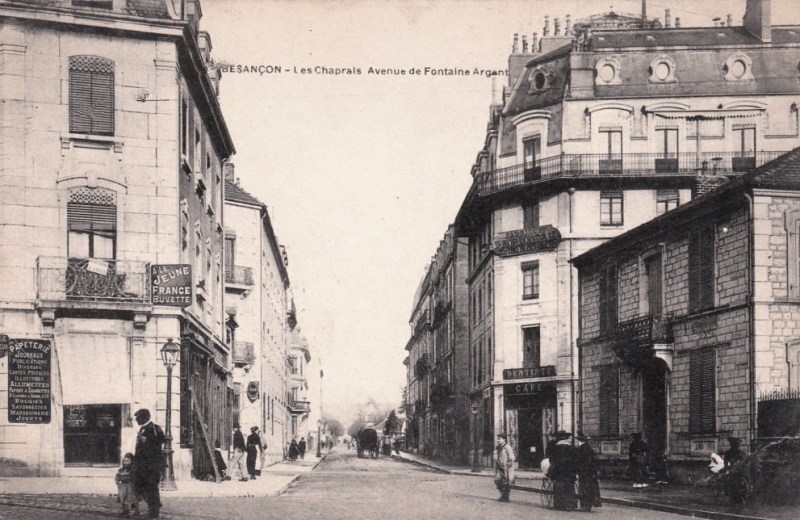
(91, 95)
(92, 434)
(702, 392)
(609, 400)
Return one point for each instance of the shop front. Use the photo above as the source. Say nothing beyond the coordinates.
(529, 399)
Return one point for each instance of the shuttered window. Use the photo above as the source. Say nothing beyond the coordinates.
(92, 224)
(531, 347)
(652, 268)
(91, 95)
(702, 385)
(608, 300)
(530, 215)
(609, 400)
(701, 269)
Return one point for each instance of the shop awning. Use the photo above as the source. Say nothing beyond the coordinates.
(95, 369)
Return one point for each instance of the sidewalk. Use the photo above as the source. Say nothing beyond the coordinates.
(672, 498)
(273, 481)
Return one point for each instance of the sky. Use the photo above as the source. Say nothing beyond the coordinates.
(362, 173)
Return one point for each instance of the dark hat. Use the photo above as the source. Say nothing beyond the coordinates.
(253, 428)
(734, 441)
(581, 437)
(636, 435)
(561, 435)
(142, 412)
(503, 435)
(236, 426)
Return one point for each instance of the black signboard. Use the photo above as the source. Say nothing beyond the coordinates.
(529, 373)
(171, 285)
(29, 387)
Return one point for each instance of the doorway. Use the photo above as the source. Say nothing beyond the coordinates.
(529, 427)
(654, 406)
(92, 434)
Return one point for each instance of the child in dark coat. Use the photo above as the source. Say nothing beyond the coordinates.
(126, 490)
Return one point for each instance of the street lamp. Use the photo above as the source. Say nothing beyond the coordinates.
(169, 355)
(476, 467)
(319, 438)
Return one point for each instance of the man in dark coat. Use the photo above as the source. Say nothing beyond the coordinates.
(637, 459)
(253, 444)
(149, 459)
(588, 486)
(301, 448)
(735, 487)
(239, 450)
(563, 471)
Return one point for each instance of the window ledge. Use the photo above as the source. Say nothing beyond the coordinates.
(530, 298)
(98, 142)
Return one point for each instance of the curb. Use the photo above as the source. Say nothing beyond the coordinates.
(664, 508)
(296, 478)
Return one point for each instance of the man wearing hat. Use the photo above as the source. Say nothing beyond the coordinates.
(735, 488)
(637, 460)
(239, 449)
(504, 467)
(148, 459)
(253, 445)
(563, 471)
(588, 486)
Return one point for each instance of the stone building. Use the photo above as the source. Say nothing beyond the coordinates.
(258, 304)
(297, 397)
(112, 145)
(418, 376)
(600, 128)
(690, 325)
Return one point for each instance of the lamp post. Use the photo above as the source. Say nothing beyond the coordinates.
(169, 355)
(476, 467)
(319, 438)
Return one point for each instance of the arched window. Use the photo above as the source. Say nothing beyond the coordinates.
(92, 223)
(91, 95)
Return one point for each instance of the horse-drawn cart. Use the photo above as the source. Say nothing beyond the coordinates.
(368, 444)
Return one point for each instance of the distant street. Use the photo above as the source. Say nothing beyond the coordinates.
(342, 487)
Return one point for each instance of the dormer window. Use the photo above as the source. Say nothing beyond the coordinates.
(607, 72)
(739, 67)
(662, 70)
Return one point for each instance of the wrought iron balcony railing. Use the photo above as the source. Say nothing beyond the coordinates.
(239, 275)
(243, 352)
(628, 165)
(298, 406)
(652, 328)
(90, 279)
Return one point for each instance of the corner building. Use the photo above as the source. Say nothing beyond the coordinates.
(600, 129)
(111, 150)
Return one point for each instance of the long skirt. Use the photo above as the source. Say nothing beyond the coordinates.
(252, 453)
(564, 494)
(589, 492)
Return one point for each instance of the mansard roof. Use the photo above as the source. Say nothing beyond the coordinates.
(782, 174)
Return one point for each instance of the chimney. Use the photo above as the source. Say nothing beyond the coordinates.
(557, 25)
(567, 24)
(644, 14)
(716, 20)
(667, 19)
(546, 31)
(729, 19)
(524, 44)
(758, 19)
(677, 21)
(514, 48)
(535, 42)
(228, 169)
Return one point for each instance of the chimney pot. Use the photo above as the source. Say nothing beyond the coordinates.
(516, 40)
(557, 27)
(524, 44)
(729, 20)
(677, 21)
(229, 169)
(667, 18)
(567, 24)
(535, 42)
(546, 31)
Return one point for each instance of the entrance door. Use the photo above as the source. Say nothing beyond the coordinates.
(529, 430)
(654, 405)
(92, 434)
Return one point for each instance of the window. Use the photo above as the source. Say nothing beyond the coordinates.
(702, 392)
(611, 142)
(793, 267)
(701, 269)
(653, 284)
(489, 291)
(198, 152)
(230, 249)
(530, 280)
(609, 400)
(531, 347)
(91, 95)
(667, 144)
(666, 200)
(530, 215)
(92, 434)
(744, 141)
(531, 150)
(610, 208)
(608, 300)
(92, 224)
(185, 127)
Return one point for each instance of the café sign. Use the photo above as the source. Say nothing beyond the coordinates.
(522, 241)
(525, 388)
(529, 373)
(29, 388)
(171, 284)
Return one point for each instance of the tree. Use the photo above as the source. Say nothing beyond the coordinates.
(356, 427)
(335, 427)
(392, 424)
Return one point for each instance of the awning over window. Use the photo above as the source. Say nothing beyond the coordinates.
(691, 115)
(95, 369)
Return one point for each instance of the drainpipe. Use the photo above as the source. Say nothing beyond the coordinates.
(572, 346)
(751, 316)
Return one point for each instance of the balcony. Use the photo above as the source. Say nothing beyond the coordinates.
(238, 277)
(299, 407)
(638, 340)
(422, 366)
(80, 280)
(243, 353)
(620, 165)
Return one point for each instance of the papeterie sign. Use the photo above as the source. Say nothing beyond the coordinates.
(29, 387)
(171, 285)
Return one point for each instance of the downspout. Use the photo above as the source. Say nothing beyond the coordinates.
(572, 346)
(751, 316)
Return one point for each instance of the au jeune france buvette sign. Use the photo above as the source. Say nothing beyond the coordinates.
(171, 285)
(29, 387)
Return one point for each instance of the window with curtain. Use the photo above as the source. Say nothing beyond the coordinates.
(92, 224)
(91, 95)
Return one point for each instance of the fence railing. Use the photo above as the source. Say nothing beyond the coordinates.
(243, 352)
(655, 328)
(239, 275)
(90, 279)
(627, 164)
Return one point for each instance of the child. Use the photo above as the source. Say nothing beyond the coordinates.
(125, 488)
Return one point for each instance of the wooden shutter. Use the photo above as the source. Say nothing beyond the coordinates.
(609, 400)
(701, 269)
(654, 294)
(702, 394)
(608, 299)
(91, 95)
